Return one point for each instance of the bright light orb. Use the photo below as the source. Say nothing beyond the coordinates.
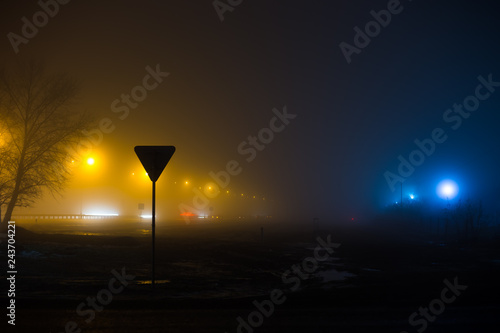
(412, 196)
(447, 189)
(90, 161)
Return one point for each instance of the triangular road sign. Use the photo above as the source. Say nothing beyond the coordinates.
(154, 159)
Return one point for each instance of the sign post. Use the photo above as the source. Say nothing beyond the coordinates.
(154, 159)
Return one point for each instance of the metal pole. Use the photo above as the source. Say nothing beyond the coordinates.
(153, 233)
(401, 194)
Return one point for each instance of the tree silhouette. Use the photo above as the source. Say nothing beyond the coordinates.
(4, 156)
(37, 125)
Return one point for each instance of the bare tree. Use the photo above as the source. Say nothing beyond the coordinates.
(4, 163)
(473, 216)
(38, 126)
(467, 216)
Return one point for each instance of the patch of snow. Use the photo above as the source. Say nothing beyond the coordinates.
(334, 275)
(31, 254)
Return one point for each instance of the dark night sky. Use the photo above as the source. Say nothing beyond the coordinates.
(353, 120)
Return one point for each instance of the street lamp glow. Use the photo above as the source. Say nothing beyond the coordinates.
(90, 161)
(447, 189)
(412, 196)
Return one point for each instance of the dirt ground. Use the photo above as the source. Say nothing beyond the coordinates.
(210, 276)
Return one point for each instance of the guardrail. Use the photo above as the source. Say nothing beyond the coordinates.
(61, 217)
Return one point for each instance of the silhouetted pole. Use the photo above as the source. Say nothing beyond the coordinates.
(401, 195)
(153, 233)
(154, 159)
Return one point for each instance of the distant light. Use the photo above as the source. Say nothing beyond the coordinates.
(187, 214)
(90, 161)
(412, 196)
(147, 216)
(447, 189)
(186, 182)
(102, 214)
(133, 173)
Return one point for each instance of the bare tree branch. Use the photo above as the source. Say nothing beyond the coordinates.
(37, 127)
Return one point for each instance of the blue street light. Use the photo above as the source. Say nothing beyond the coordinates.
(447, 189)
